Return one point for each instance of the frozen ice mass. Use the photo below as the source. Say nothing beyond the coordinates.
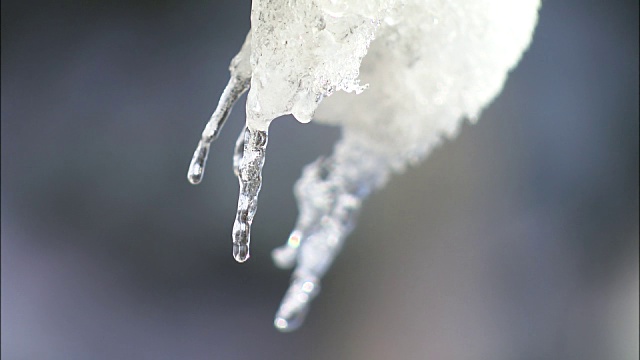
(397, 76)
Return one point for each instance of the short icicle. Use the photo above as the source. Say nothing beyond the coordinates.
(234, 89)
(239, 82)
(249, 174)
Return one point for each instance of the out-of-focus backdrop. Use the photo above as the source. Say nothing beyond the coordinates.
(518, 240)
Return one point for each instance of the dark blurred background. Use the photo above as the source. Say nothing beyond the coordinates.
(518, 240)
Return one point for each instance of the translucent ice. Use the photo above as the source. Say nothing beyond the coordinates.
(426, 65)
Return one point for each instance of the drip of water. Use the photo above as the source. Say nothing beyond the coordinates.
(249, 173)
(234, 89)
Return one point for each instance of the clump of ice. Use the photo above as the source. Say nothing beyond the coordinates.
(396, 75)
(302, 51)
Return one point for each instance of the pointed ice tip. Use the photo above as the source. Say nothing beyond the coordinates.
(196, 168)
(283, 325)
(241, 253)
(291, 322)
(195, 175)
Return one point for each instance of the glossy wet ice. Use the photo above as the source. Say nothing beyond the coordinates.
(432, 64)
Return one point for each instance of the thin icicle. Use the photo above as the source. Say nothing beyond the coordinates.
(250, 179)
(238, 84)
(234, 89)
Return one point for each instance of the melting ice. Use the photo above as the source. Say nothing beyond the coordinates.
(426, 64)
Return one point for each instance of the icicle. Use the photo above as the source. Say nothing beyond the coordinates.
(311, 183)
(298, 54)
(234, 89)
(329, 196)
(238, 84)
(250, 178)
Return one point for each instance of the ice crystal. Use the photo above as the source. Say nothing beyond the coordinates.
(426, 65)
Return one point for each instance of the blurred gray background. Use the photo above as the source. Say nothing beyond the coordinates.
(518, 240)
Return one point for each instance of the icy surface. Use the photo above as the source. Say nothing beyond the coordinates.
(302, 51)
(396, 75)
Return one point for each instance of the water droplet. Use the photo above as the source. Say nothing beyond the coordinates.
(241, 252)
(196, 168)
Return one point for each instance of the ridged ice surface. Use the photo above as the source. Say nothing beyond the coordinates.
(302, 51)
(396, 75)
(249, 173)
